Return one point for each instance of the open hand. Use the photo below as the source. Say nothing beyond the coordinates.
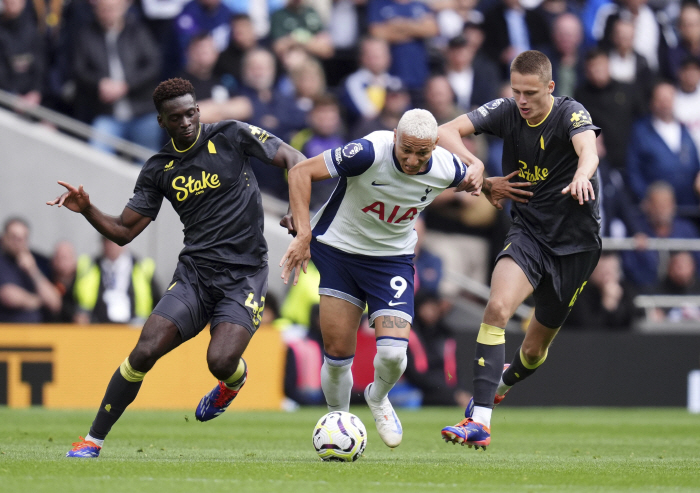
(500, 188)
(580, 189)
(296, 258)
(75, 199)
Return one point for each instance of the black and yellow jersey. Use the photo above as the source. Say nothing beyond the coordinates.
(212, 188)
(545, 156)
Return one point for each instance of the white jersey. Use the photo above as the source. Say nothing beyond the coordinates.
(373, 208)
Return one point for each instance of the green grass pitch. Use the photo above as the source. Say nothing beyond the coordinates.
(533, 450)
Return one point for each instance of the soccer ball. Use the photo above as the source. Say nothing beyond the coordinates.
(339, 436)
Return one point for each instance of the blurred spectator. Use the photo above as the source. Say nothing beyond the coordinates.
(428, 265)
(661, 148)
(116, 287)
(432, 365)
(606, 302)
(299, 25)
(117, 65)
(473, 78)
(459, 226)
(63, 269)
(619, 218)
(613, 106)
(397, 101)
(686, 106)
(202, 16)
(272, 110)
(646, 267)
(404, 24)
(230, 62)
(681, 279)
(452, 15)
(24, 288)
(309, 82)
(213, 98)
(364, 91)
(652, 33)
(324, 132)
(566, 57)
(626, 65)
(439, 99)
(511, 29)
(682, 275)
(159, 16)
(688, 42)
(22, 57)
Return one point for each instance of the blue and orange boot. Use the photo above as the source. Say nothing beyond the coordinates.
(217, 401)
(468, 432)
(84, 449)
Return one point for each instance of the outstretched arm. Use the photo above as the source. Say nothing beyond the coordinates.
(300, 178)
(120, 229)
(450, 137)
(287, 157)
(580, 187)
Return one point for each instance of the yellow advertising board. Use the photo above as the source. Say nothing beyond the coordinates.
(69, 367)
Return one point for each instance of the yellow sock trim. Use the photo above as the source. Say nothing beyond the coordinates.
(129, 374)
(491, 335)
(528, 365)
(237, 374)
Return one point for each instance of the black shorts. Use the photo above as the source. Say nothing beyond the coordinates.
(557, 279)
(201, 293)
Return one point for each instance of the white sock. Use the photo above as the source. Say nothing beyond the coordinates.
(96, 441)
(502, 388)
(336, 382)
(482, 415)
(389, 365)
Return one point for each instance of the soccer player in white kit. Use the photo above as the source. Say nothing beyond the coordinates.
(362, 242)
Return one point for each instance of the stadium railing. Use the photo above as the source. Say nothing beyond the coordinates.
(74, 127)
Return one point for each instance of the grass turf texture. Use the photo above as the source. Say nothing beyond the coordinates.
(538, 450)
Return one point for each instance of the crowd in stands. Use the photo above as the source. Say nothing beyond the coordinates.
(319, 73)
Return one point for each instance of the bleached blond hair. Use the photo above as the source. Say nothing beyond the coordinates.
(418, 123)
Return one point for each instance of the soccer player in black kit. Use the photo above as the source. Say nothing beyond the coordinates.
(553, 244)
(221, 275)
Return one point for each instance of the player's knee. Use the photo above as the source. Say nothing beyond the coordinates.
(145, 355)
(498, 312)
(533, 353)
(223, 366)
(336, 349)
(392, 357)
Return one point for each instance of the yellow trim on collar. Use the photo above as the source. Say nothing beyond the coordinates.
(199, 131)
(543, 120)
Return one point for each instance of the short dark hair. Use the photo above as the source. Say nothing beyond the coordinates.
(594, 53)
(171, 89)
(533, 62)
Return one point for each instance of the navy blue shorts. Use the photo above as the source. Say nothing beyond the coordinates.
(385, 284)
(557, 279)
(201, 293)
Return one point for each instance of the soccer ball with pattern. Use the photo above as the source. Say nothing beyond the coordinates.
(339, 436)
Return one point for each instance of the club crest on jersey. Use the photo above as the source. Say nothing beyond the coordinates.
(580, 118)
(379, 209)
(351, 149)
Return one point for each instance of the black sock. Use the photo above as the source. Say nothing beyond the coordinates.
(120, 393)
(488, 367)
(517, 371)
